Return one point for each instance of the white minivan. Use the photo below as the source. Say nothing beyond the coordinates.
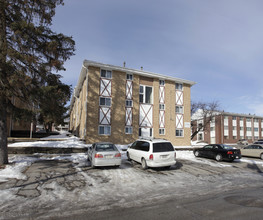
(152, 153)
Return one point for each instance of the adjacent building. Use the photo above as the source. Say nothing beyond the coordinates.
(228, 128)
(118, 104)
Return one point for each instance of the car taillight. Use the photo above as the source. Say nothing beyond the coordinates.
(229, 152)
(98, 156)
(151, 157)
(174, 154)
(117, 155)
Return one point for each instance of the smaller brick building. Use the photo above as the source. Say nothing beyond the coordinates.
(228, 128)
(118, 104)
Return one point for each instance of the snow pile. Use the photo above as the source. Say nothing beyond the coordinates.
(69, 142)
(16, 168)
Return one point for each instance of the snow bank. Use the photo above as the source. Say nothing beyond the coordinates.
(15, 170)
(69, 142)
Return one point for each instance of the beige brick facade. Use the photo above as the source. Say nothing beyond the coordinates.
(85, 110)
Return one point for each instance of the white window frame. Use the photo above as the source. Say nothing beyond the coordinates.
(161, 82)
(143, 93)
(106, 128)
(128, 103)
(161, 131)
(181, 109)
(181, 133)
(106, 98)
(129, 77)
(108, 74)
(128, 130)
(161, 106)
(179, 86)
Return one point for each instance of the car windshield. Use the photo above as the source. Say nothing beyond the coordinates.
(162, 147)
(106, 147)
(226, 147)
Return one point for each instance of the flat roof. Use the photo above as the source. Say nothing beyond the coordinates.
(87, 63)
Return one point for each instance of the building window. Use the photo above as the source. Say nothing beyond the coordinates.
(226, 136)
(129, 103)
(212, 128)
(234, 118)
(255, 129)
(241, 128)
(225, 127)
(104, 130)
(161, 106)
(256, 120)
(105, 101)
(234, 137)
(248, 129)
(106, 74)
(128, 130)
(179, 133)
(146, 94)
(161, 82)
(248, 119)
(179, 109)
(161, 131)
(129, 77)
(234, 128)
(179, 86)
(200, 136)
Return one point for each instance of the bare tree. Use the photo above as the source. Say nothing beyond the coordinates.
(204, 111)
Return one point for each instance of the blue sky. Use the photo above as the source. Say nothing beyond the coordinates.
(216, 43)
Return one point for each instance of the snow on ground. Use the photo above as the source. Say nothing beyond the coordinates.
(62, 135)
(67, 142)
(188, 155)
(16, 167)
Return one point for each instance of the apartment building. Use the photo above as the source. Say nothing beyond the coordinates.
(118, 104)
(228, 128)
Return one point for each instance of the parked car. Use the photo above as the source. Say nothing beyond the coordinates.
(242, 142)
(218, 151)
(104, 154)
(253, 150)
(152, 153)
(258, 142)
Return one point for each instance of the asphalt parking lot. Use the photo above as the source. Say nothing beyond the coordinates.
(58, 186)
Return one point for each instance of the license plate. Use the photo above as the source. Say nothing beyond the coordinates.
(108, 156)
(163, 156)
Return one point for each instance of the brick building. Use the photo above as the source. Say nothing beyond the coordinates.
(118, 104)
(228, 128)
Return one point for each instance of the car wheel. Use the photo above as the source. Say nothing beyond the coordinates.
(144, 164)
(218, 157)
(196, 153)
(128, 156)
(261, 156)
